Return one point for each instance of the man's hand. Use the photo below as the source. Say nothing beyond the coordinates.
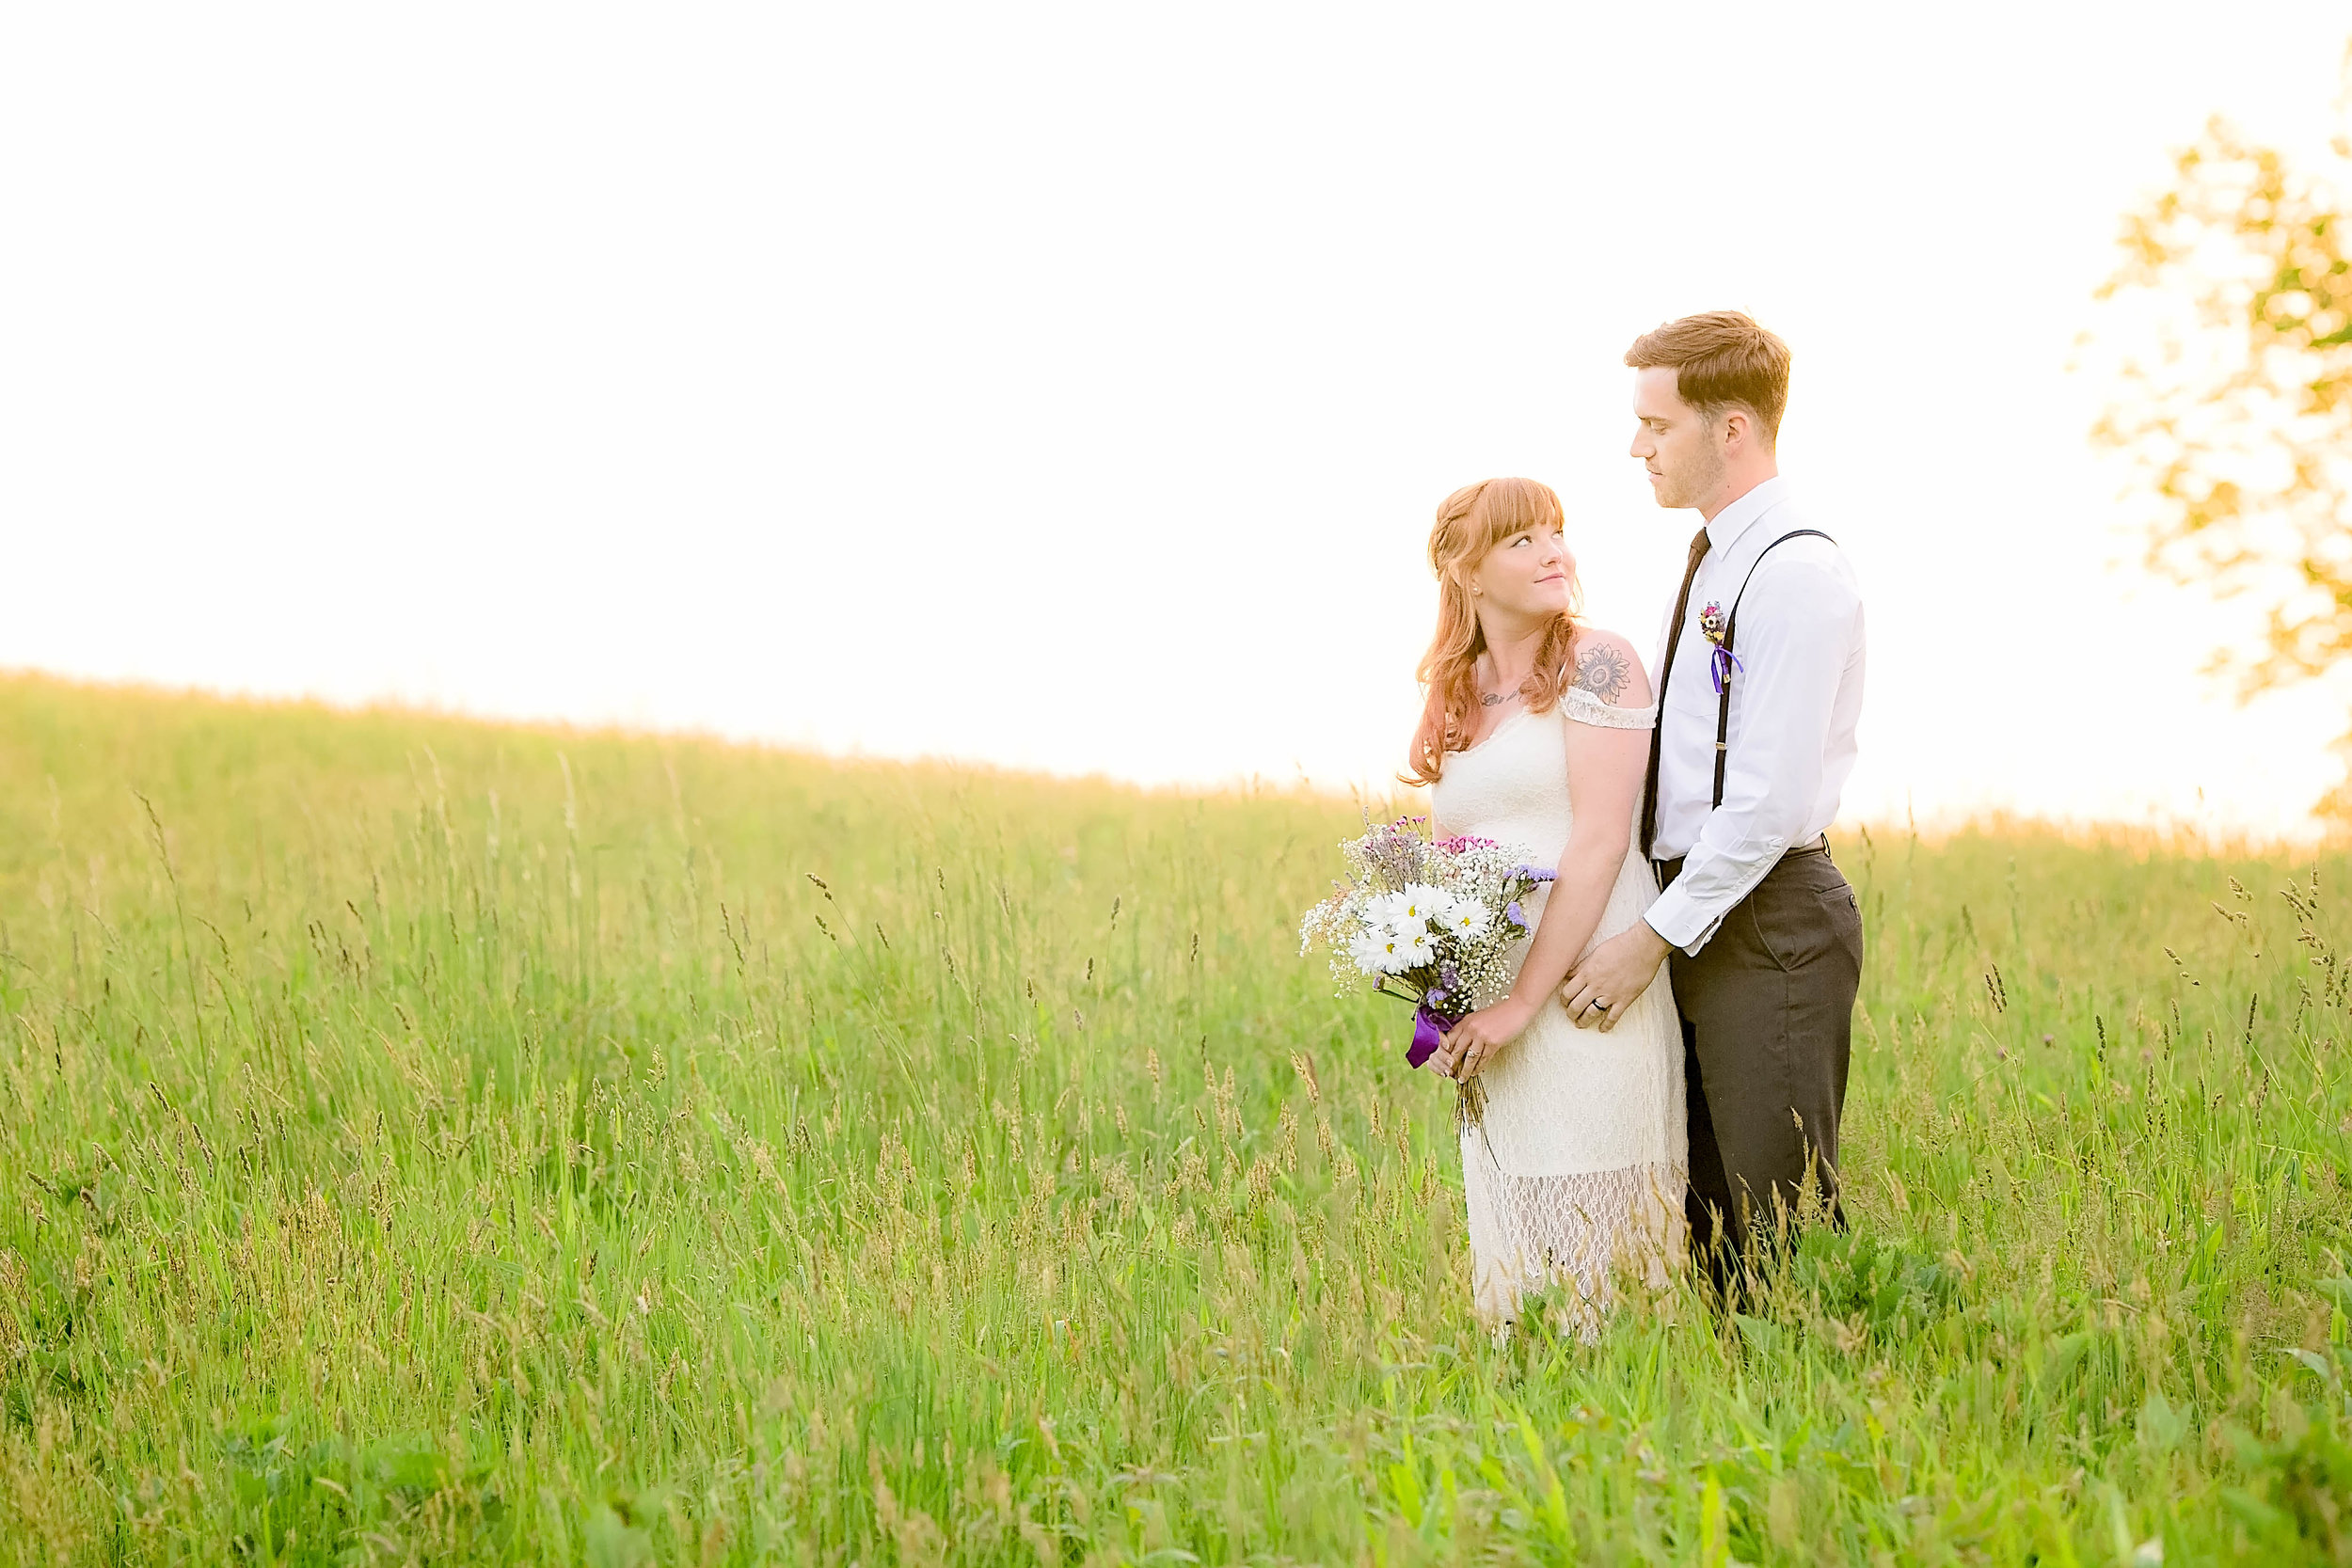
(1612, 977)
(1471, 1044)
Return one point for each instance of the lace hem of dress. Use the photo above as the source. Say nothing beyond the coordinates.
(1584, 1231)
(1585, 708)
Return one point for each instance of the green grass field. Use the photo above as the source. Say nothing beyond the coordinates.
(423, 1141)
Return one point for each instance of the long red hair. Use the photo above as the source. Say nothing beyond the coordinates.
(1471, 521)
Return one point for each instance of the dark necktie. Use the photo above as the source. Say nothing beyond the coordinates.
(1699, 543)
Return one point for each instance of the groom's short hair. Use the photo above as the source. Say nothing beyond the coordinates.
(1721, 359)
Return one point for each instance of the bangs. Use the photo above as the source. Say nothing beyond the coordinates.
(1509, 507)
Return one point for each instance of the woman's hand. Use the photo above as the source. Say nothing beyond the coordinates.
(1471, 1044)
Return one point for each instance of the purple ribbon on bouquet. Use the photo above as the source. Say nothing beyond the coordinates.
(1429, 1025)
(1720, 663)
(1428, 1032)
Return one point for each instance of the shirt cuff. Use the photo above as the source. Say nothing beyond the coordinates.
(1680, 919)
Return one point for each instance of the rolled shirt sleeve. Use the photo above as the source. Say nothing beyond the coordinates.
(1794, 642)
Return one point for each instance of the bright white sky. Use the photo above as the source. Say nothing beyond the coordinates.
(1070, 387)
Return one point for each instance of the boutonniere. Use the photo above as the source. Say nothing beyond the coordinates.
(1722, 661)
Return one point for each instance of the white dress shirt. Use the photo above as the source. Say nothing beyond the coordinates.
(1794, 705)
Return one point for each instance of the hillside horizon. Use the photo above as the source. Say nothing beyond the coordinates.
(2174, 837)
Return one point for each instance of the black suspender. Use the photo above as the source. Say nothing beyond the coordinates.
(1727, 664)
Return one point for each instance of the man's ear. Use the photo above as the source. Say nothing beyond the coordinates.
(1738, 429)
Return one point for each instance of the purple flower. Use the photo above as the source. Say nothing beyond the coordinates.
(1462, 843)
(1396, 857)
(1536, 874)
(1515, 916)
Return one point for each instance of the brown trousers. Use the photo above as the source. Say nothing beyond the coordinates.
(1767, 1033)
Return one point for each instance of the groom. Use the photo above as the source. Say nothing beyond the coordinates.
(1761, 686)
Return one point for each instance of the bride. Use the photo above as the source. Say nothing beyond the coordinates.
(1536, 735)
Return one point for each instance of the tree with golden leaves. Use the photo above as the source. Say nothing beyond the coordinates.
(2239, 426)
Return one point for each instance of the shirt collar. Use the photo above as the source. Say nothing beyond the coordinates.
(1737, 519)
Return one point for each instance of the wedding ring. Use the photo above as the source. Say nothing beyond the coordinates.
(1599, 1004)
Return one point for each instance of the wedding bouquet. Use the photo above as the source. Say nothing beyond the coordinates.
(1429, 922)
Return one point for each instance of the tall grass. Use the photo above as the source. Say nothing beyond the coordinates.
(423, 1141)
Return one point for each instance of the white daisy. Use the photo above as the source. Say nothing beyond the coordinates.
(1413, 908)
(1467, 919)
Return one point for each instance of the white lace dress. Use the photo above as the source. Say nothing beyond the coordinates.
(1576, 1169)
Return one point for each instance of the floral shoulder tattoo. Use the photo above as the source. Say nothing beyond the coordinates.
(1603, 671)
